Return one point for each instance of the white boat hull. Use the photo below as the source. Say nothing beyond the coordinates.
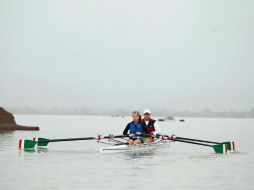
(135, 148)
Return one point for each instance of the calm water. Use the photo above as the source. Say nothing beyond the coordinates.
(79, 165)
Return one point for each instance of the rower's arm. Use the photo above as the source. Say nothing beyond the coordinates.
(127, 128)
(157, 129)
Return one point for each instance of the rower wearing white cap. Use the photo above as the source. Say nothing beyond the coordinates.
(151, 124)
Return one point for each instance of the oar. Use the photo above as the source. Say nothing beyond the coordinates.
(43, 142)
(190, 142)
(218, 147)
(230, 145)
(197, 140)
(221, 148)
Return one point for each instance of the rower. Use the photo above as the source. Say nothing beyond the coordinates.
(152, 126)
(136, 129)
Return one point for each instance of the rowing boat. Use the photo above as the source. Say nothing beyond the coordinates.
(118, 146)
(136, 148)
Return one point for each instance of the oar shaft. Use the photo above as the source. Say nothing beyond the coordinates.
(197, 140)
(190, 142)
(69, 139)
(186, 140)
(83, 138)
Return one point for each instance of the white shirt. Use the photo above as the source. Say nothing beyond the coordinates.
(156, 128)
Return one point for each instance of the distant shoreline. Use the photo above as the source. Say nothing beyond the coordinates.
(155, 115)
(205, 113)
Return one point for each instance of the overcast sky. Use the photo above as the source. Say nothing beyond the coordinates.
(174, 54)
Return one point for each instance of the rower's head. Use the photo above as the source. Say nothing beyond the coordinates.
(136, 116)
(147, 114)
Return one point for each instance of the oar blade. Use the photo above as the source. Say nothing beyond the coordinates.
(42, 142)
(26, 144)
(230, 145)
(220, 148)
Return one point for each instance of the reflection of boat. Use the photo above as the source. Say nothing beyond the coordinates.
(168, 118)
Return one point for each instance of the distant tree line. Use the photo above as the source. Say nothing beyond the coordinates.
(123, 112)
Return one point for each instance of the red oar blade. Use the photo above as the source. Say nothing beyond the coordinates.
(232, 144)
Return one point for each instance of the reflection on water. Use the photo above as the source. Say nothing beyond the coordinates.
(139, 154)
(6, 139)
(5, 132)
(42, 149)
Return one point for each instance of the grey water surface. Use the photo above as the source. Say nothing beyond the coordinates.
(79, 165)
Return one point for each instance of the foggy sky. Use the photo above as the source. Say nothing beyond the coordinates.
(173, 54)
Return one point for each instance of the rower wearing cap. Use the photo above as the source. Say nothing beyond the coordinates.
(151, 124)
(136, 129)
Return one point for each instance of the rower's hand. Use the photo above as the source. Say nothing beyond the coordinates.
(131, 135)
(138, 133)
